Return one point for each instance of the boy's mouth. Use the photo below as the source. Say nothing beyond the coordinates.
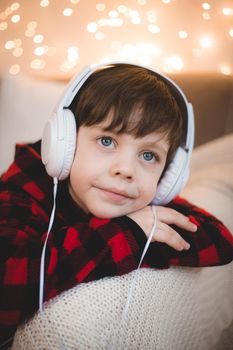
(116, 194)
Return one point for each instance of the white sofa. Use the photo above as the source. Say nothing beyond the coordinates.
(174, 309)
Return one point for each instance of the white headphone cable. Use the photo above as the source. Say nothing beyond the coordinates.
(42, 260)
(135, 278)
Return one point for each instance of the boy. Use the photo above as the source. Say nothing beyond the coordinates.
(129, 125)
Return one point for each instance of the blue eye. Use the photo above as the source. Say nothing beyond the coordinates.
(106, 141)
(148, 156)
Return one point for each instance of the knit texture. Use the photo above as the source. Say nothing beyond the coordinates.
(175, 309)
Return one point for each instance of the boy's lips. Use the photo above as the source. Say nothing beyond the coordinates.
(116, 194)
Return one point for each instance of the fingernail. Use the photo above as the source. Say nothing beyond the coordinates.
(187, 246)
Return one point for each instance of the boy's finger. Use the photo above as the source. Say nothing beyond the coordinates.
(167, 235)
(173, 217)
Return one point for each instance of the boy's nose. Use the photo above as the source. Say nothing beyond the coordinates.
(123, 169)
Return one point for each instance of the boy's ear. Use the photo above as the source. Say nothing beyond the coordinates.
(59, 143)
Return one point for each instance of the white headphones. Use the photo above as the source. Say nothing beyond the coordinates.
(59, 137)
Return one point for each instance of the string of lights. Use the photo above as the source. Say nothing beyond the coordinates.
(54, 37)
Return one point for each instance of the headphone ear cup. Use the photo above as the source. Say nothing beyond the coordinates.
(174, 178)
(70, 143)
(58, 144)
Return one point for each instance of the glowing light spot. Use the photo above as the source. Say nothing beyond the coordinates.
(65, 67)
(183, 34)
(44, 3)
(39, 51)
(144, 60)
(29, 33)
(99, 36)
(166, 1)
(18, 52)
(92, 27)
(149, 49)
(205, 42)
(206, 16)
(3, 26)
(142, 52)
(15, 6)
(151, 16)
(72, 53)
(227, 11)
(14, 69)
(67, 12)
(206, 6)
(115, 22)
(129, 51)
(103, 22)
(136, 20)
(122, 8)
(225, 69)
(8, 11)
(153, 28)
(38, 38)
(100, 7)
(9, 45)
(231, 32)
(133, 13)
(15, 18)
(172, 63)
(32, 25)
(142, 2)
(37, 64)
(68, 65)
(113, 14)
(74, 1)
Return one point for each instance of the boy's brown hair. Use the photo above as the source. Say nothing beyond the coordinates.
(121, 89)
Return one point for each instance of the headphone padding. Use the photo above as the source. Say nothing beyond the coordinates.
(174, 178)
(58, 144)
(70, 143)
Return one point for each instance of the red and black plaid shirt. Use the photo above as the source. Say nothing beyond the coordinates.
(81, 247)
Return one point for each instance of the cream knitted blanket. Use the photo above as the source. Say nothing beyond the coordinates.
(174, 309)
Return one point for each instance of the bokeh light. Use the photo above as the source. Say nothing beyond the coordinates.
(52, 38)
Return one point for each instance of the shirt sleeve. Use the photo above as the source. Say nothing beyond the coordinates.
(211, 244)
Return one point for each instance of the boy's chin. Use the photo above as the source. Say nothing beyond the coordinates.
(108, 214)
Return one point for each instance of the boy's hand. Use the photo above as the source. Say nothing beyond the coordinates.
(164, 233)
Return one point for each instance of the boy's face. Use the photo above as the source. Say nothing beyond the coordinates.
(116, 174)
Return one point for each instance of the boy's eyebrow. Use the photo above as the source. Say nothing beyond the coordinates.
(156, 144)
(147, 144)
